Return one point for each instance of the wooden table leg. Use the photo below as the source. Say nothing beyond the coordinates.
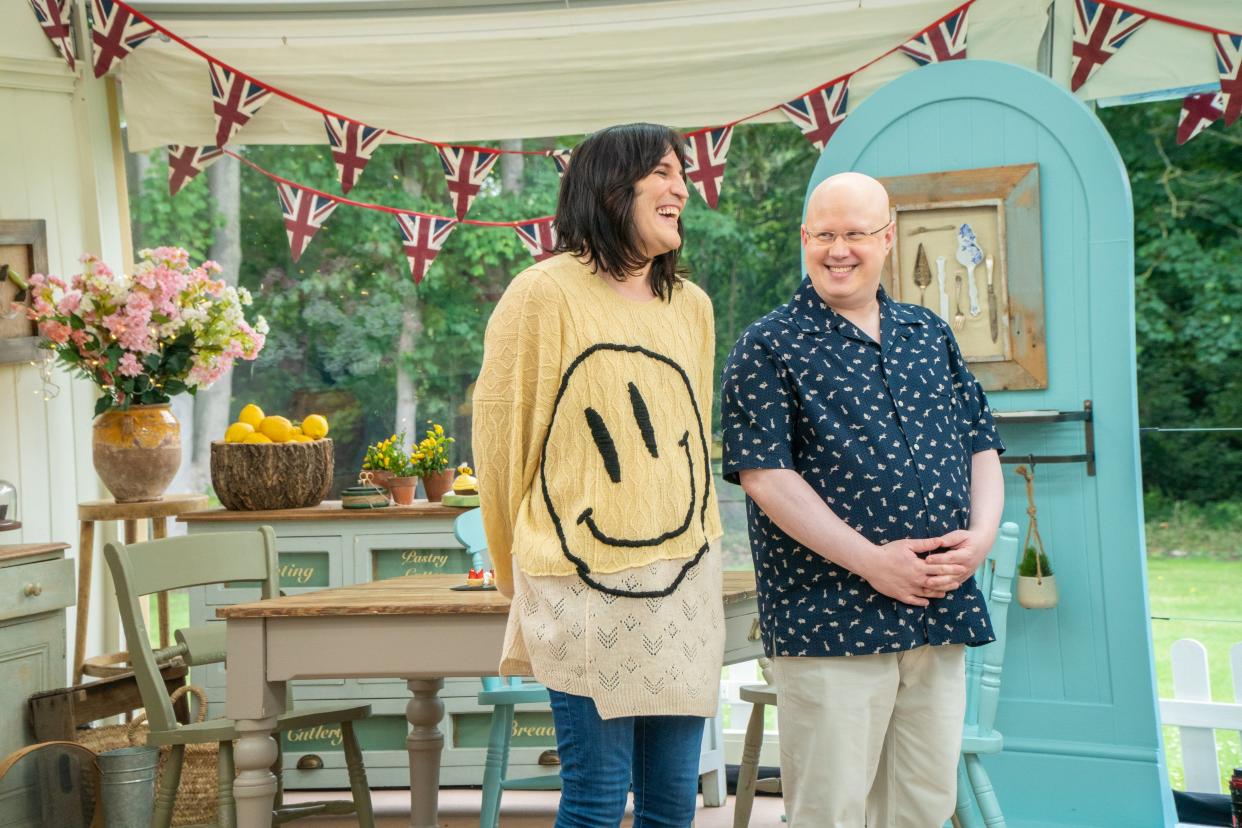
(254, 788)
(159, 529)
(254, 703)
(86, 559)
(425, 744)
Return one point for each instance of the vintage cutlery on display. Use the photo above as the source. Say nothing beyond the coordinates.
(993, 319)
(922, 274)
(969, 254)
(944, 295)
(958, 316)
(921, 229)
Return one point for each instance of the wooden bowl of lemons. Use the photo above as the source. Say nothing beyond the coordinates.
(269, 462)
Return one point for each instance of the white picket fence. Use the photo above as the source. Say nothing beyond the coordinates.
(1196, 716)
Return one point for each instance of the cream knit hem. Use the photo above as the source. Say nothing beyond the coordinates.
(632, 656)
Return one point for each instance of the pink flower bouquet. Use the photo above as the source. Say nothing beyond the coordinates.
(167, 329)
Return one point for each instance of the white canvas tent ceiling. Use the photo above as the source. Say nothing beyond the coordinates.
(492, 69)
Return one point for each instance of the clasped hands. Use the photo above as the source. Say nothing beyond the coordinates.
(896, 570)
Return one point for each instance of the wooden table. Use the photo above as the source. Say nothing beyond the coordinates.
(413, 628)
(90, 511)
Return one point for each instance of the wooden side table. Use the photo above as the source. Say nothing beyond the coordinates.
(90, 511)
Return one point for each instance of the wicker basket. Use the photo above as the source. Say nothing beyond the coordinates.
(197, 790)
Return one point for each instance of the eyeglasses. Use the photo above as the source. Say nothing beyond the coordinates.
(827, 237)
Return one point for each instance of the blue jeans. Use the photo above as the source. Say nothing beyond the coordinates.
(600, 758)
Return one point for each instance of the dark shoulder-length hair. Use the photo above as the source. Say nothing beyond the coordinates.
(595, 210)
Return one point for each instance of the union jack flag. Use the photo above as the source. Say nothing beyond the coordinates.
(943, 41)
(115, 32)
(706, 153)
(1100, 31)
(352, 145)
(186, 162)
(1198, 113)
(422, 237)
(560, 157)
(235, 99)
(465, 170)
(53, 16)
(305, 212)
(538, 236)
(1229, 64)
(819, 113)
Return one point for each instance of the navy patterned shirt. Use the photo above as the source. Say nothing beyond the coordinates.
(885, 435)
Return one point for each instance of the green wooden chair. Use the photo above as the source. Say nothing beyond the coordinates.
(501, 695)
(194, 560)
(983, 677)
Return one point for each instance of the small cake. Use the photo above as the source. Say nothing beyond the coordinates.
(465, 492)
(465, 483)
(475, 578)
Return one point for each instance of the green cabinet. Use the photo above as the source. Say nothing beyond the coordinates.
(36, 584)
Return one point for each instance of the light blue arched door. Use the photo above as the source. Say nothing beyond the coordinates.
(1078, 704)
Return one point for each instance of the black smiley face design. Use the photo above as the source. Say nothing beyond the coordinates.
(644, 439)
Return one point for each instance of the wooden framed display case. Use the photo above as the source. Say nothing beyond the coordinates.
(967, 246)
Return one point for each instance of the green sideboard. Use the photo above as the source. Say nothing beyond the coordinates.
(36, 584)
(327, 546)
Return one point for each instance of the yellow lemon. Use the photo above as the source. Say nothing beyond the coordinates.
(252, 415)
(238, 432)
(297, 431)
(302, 438)
(256, 437)
(277, 428)
(315, 426)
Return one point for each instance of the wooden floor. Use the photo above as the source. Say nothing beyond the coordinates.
(459, 808)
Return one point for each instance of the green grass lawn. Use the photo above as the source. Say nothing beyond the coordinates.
(1197, 597)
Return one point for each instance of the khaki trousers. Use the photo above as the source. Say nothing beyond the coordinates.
(871, 740)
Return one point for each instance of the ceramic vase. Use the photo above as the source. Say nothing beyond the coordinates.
(137, 451)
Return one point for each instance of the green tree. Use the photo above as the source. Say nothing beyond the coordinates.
(1188, 286)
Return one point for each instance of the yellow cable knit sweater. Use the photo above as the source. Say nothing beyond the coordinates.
(591, 418)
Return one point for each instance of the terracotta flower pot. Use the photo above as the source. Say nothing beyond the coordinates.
(437, 484)
(402, 489)
(137, 452)
(377, 477)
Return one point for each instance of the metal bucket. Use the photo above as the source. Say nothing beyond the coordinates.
(127, 785)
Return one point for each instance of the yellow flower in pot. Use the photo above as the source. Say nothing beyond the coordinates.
(383, 459)
(433, 462)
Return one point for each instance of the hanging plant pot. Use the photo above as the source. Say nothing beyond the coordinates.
(1037, 588)
(1037, 593)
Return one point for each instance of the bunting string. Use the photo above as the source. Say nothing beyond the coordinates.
(1101, 28)
(366, 205)
(147, 22)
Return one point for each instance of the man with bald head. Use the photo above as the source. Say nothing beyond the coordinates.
(869, 458)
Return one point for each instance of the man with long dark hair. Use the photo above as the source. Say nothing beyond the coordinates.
(591, 419)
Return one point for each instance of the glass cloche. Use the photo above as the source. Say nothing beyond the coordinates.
(8, 506)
